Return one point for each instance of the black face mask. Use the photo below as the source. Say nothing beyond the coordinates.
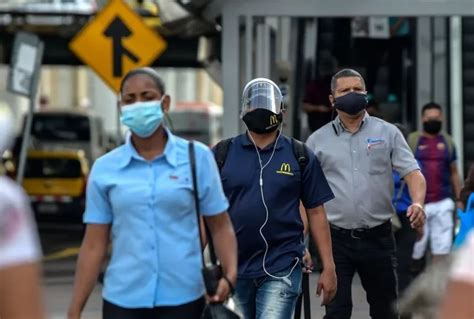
(352, 103)
(432, 126)
(262, 121)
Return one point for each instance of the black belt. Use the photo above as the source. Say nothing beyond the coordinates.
(384, 229)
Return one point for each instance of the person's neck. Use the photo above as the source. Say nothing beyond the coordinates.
(352, 124)
(263, 140)
(428, 135)
(151, 147)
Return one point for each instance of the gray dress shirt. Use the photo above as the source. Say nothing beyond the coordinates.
(358, 167)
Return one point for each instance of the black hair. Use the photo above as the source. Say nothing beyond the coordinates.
(431, 106)
(345, 73)
(160, 84)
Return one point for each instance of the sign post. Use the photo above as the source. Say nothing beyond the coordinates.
(115, 42)
(23, 79)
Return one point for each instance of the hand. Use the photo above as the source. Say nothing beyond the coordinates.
(222, 293)
(328, 285)
(416, 215)
(308, 264)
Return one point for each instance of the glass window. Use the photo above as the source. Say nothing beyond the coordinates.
(52, 168)
(61, 127)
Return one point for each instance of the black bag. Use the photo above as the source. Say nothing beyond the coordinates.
(212, 274)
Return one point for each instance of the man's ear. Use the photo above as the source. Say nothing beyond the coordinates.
(332, 99)
(166, 103)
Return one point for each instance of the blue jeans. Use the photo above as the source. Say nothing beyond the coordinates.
(269, 298)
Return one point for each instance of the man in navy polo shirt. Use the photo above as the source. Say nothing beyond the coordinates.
(262, 180)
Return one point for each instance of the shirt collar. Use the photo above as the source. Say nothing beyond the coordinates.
(129, 151)
(339, 127)
(245, 141)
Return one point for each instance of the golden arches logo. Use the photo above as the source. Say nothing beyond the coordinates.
(285, 169)
(273, 120)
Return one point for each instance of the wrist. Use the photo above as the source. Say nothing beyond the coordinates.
(418, 205)
(72, 313)
(230, 283)
(330, 266)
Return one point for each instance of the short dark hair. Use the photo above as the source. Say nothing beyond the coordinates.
(431, 106)
(345, 73)
(160, 84)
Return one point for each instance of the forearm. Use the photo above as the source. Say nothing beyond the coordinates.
(225, 244)
(87, 271)
(456, 183)
(20, 292)
(319, 227)
(304, 219)
(416, 187)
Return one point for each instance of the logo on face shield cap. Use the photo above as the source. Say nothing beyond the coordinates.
(273, 120)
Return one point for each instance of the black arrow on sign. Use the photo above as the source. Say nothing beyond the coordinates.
(117, 30)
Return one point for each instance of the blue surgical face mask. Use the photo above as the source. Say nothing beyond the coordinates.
(143, 118)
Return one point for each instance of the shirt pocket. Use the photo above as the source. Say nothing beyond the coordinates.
(379, 160)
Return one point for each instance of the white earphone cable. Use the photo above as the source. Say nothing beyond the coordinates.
(267, 246)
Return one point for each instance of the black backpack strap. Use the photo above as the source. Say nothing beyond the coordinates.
(301, 154)
(220, 152)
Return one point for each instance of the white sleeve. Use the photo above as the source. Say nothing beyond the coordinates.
(463, 266)
(18, 238)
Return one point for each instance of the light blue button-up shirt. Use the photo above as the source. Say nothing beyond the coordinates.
(156, 256)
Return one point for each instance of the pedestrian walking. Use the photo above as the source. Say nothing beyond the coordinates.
(436, 153)
(20, 253)
(140, 195)
(265, 176)
(357, 153)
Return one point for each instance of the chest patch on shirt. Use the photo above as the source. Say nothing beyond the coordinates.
(285, 169)
(372, 142)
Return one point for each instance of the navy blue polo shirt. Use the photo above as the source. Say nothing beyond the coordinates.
(283, 187)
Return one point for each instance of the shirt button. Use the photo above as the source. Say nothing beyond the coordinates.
(354, 152)
(355, 169)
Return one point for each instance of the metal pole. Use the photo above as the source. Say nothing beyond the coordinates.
(248, 48)
(29, 120)
(230, 69)
(456, 88)
(26, 141)
(423, 67)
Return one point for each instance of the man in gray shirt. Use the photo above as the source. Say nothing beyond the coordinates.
(357, 153)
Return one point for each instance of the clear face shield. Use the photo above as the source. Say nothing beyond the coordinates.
(261, 93)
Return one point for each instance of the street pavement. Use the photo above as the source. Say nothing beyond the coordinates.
(61, 245)
(59, 281)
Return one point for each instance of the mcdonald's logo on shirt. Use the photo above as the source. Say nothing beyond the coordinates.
(285, 169)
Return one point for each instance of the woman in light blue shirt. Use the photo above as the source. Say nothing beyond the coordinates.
(140, 197)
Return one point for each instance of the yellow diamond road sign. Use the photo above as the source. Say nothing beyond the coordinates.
(115, 42)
